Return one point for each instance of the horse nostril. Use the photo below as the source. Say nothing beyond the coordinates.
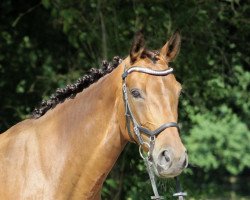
(164, 158)
(185, 162)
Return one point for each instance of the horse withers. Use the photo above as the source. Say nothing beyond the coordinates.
(68, 147)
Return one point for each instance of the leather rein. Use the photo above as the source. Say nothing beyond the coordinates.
(138, 129)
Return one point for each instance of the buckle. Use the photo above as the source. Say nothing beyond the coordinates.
(157, 197)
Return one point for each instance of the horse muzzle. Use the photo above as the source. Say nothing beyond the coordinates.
(167, 164)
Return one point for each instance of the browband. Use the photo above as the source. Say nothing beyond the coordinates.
(147, 71)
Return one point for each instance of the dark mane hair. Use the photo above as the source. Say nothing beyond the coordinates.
(71, 90)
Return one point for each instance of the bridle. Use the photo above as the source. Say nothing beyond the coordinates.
(139, 130)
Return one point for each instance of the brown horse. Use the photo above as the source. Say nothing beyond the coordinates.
(67, 152)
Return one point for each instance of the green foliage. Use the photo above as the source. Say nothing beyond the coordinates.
(218, 141)
(47, 44)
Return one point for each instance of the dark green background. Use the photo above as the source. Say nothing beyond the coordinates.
(45, 45)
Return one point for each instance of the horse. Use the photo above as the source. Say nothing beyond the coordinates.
(71, 142)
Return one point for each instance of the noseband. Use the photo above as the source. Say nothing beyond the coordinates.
(138, 129)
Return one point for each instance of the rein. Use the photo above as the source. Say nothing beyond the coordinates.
(138, 129)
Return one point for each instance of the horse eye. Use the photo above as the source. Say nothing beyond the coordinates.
(136, 93)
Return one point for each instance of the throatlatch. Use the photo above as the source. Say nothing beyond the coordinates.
(138, 129)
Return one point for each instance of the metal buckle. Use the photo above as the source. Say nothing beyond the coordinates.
(152, 145)
(157, 197)
(137, 133)
(141, 150)
(180, 194)
(124, 88)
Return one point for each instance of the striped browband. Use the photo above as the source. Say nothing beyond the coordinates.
(147, 71)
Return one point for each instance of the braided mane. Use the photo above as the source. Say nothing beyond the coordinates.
(71, 90)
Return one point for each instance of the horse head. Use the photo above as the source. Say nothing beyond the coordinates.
(151, 95)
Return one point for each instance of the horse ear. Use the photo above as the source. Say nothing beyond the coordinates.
(137, 47)
(171, 49)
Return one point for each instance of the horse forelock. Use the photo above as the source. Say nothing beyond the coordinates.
(153, 55)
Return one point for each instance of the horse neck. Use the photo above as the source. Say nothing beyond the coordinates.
(87, 135)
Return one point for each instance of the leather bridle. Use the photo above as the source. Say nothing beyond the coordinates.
(138, 129)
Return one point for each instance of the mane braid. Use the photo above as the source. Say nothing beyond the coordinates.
(71, 90)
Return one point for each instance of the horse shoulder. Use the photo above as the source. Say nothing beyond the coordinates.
(19, 150)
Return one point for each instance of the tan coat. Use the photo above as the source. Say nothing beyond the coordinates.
(68, 152)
